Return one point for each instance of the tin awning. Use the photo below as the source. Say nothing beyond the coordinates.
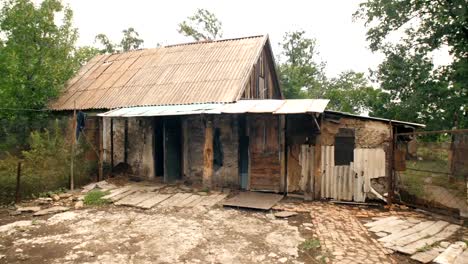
(272, 106)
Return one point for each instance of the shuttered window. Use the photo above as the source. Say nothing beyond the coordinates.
(344, 147)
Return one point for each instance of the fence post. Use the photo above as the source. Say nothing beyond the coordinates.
(18, 181)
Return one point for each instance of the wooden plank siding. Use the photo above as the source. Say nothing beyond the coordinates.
(265, 158)
(262, 84)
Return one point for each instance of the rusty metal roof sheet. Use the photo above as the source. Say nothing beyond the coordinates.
(201, 72)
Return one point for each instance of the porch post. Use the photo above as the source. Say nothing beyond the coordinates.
(208, 155)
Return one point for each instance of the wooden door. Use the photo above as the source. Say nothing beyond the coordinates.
(265, 166)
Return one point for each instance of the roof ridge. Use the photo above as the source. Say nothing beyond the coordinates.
(187, 43)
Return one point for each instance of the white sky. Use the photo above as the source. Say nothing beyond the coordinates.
(341, 41)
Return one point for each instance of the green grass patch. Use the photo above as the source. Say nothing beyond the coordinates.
(94, 197)
(310, 244)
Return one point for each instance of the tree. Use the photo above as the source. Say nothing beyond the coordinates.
(130, 41)
(37, 56)
(350, 92)
(418, 90)
(203, 25)
(300, 74)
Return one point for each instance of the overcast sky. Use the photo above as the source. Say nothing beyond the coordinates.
(342, 42)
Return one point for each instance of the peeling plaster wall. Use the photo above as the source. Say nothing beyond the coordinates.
(140, 147)
(194, 140)
(140, 144)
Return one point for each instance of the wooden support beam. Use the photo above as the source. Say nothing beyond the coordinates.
(101, 148)
(208, 155)
(317, 167)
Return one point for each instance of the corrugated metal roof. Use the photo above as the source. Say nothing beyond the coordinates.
(201, 72)
(375, 118)
(291, 106)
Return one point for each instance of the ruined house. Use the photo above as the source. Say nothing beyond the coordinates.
(212, 113)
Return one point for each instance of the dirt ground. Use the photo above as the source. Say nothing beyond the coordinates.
(113, 234)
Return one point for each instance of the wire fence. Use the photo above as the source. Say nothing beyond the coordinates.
(432, 170)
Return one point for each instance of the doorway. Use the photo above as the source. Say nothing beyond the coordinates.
(172, 149)
(243, 153)
(158, 147)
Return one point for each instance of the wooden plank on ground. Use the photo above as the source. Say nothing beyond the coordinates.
(462, 258)
(196, 201)
(182, 197)
(136, 198)
(387, 225)
(451, 253)
(255, 200)
(217, 199)
(158, 198)
(430, 240)
(188, 200)
(398, 228)
(430, 231)
(116, 192)
(415, 229)
(123, 194)
(381, 221)
(426, 256)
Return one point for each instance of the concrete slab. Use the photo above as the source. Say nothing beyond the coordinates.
(254, 200)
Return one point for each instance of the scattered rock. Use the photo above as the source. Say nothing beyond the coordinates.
(444, 244)
(203, 193)
(28, 209)
(51, 210)
(79, 205)
(2, 256)
(65, 195)
(381, 234)
(308, 224)
(18, 250)
(22, 257)
(55, 197)
(14, 213)
(283, 260)
(185, 188)
(43, 200)
(285, 214)
(272, 255)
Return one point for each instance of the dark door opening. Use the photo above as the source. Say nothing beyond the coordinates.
(172, 149)
(243, 153)
(158, 147)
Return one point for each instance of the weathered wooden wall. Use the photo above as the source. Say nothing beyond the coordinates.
(262, 83)
(265, 163)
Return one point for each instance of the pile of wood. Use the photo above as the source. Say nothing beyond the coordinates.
(426, 241)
